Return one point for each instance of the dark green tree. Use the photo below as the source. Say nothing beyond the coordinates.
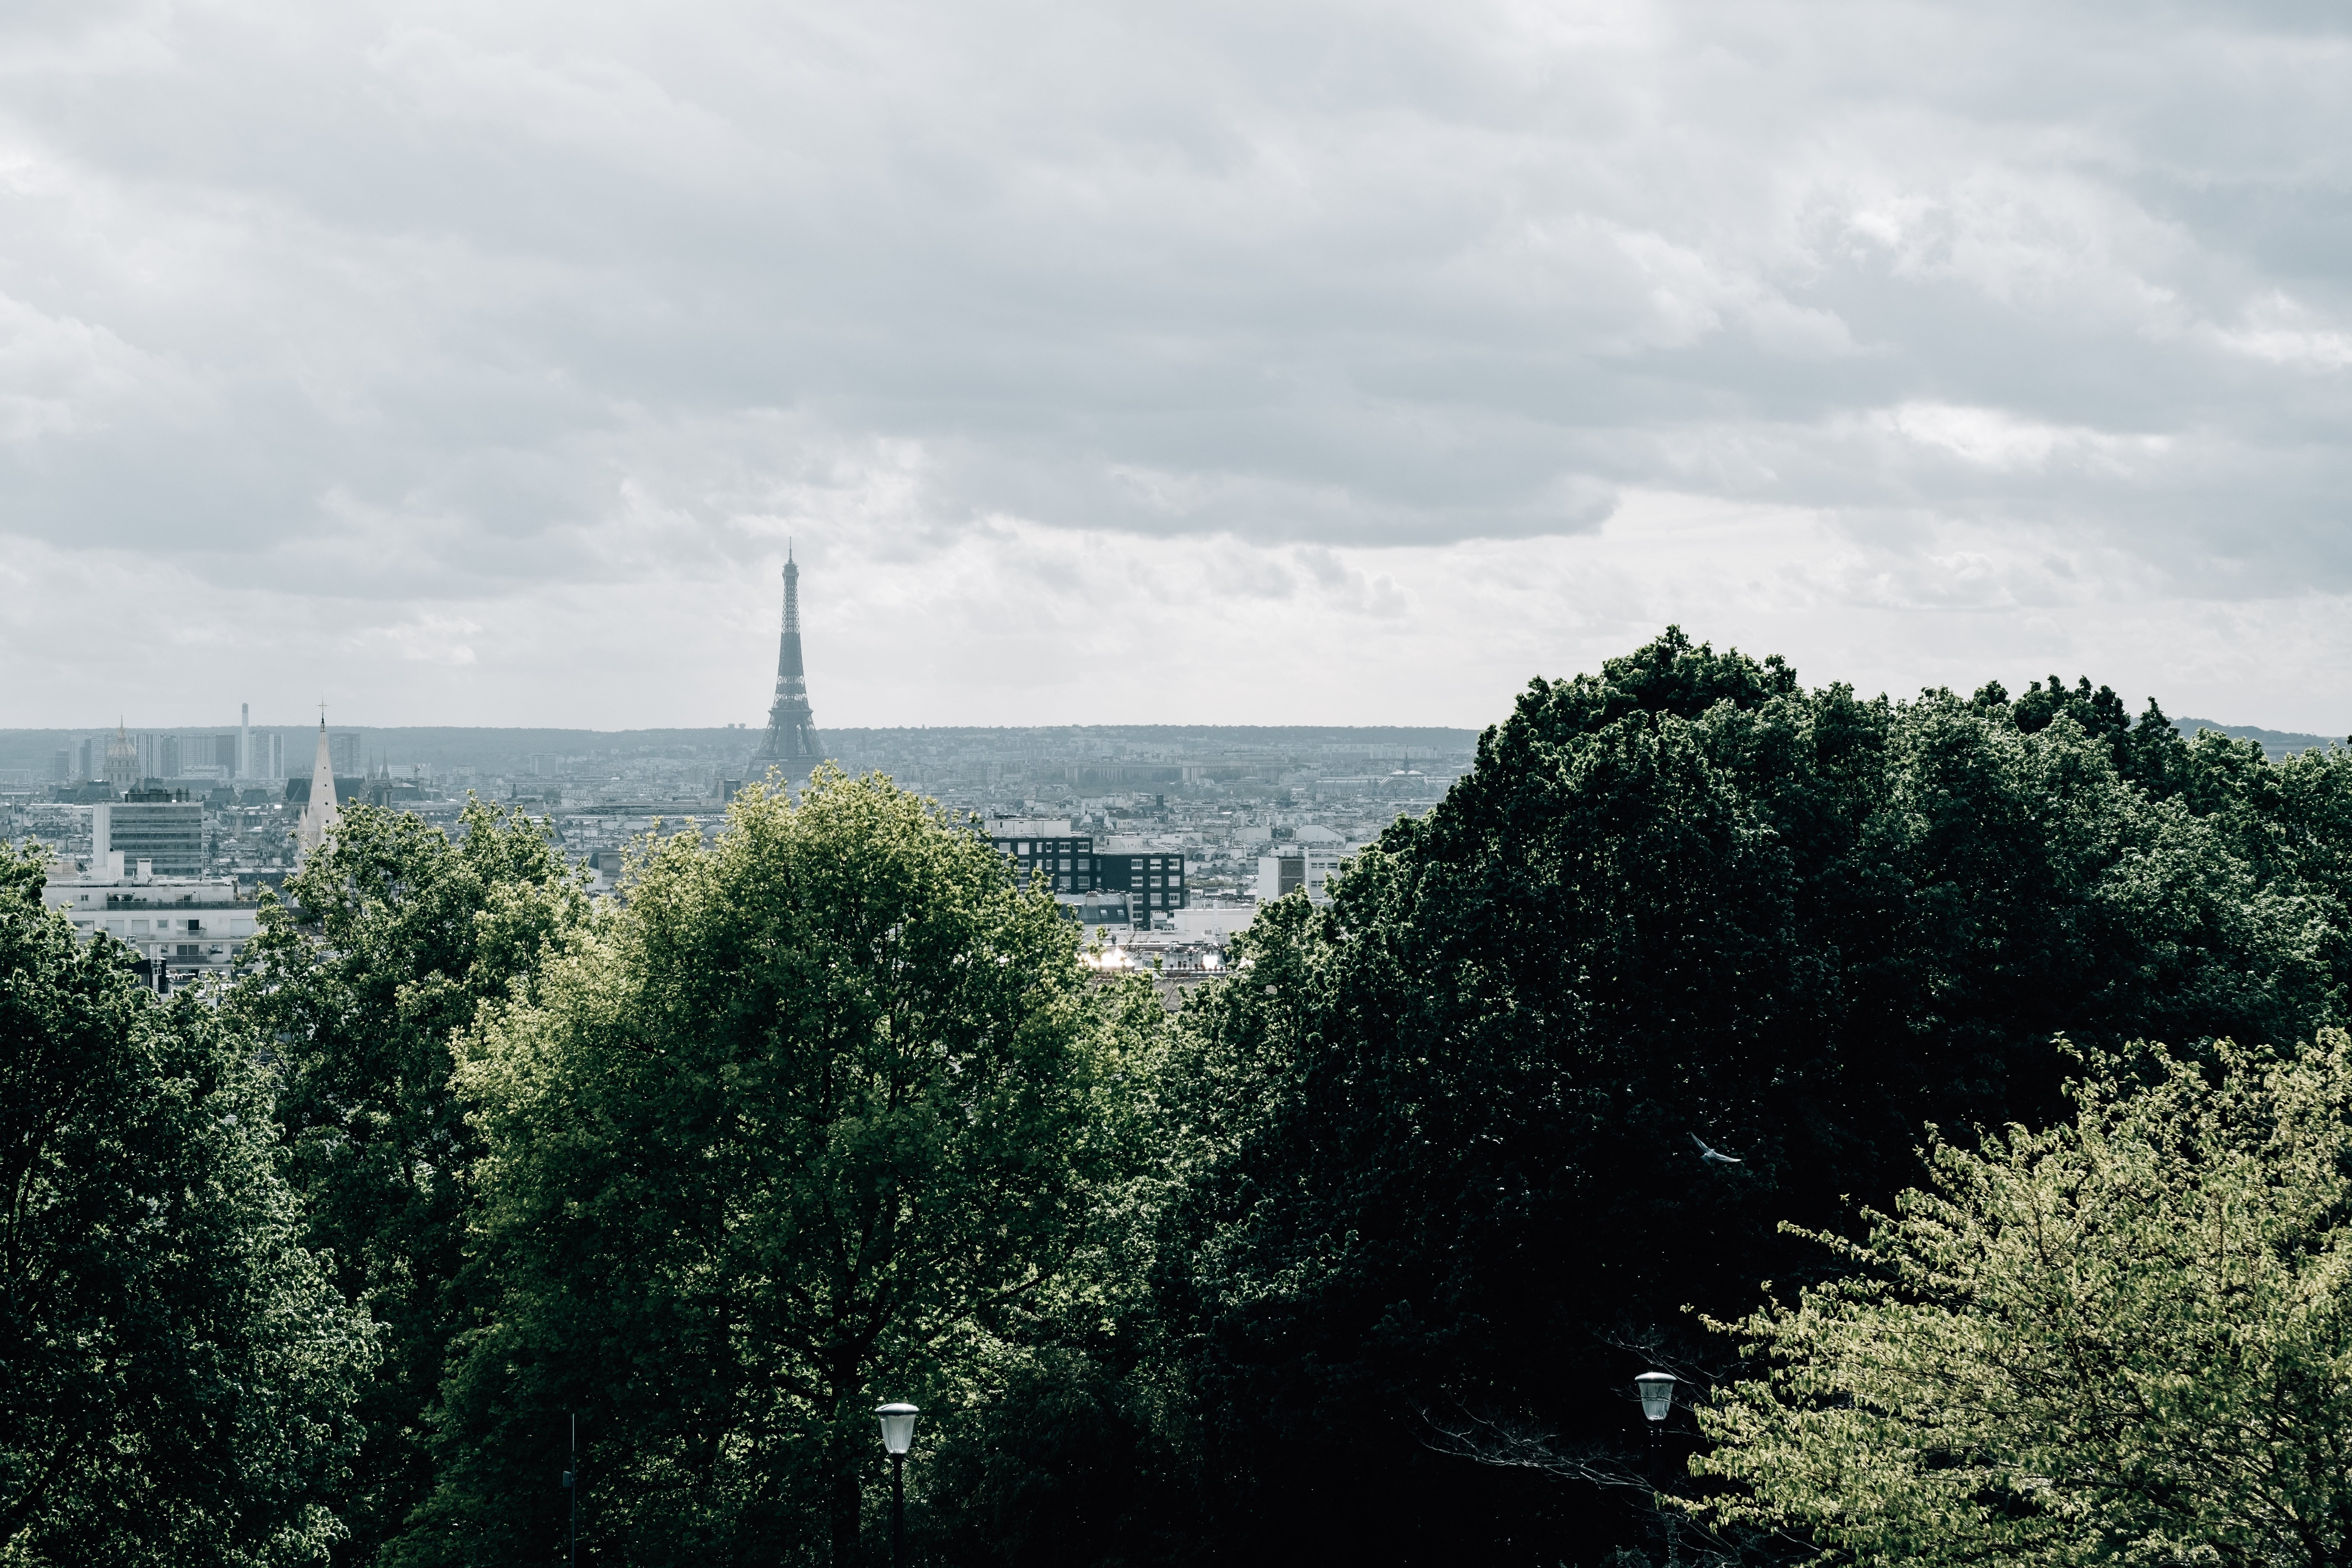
(1446, 1182)
(177, 1374)
(822, 1117)
(394, 936)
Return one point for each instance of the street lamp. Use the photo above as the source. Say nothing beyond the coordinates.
(898, 1437)
(1657, 1392)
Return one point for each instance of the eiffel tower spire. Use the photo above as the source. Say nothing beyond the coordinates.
(790, 744)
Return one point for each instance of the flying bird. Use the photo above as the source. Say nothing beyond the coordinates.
(1707, 1154)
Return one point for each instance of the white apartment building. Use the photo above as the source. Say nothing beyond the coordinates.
(190, 924)
(1308, 866)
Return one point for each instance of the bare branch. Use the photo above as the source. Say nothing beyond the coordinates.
(1520, 1442)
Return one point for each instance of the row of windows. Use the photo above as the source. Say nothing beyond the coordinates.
(1077, 855)
(1173, 876)
(1171, 896)
(1025, 847)
(233, 925)
(1031, 849)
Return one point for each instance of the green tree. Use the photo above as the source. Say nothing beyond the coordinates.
(1446, 1176)
(2122, 1339)
(395, 935)
(176, 1373)
(816, 1118)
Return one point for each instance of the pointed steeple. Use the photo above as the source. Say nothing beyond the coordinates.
(319, 817)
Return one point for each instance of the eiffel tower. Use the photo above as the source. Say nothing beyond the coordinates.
(790, 744)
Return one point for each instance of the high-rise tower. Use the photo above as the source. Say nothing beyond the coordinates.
(790, 744)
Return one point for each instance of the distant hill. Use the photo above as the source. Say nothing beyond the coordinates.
(2275, 743)
(497, 750)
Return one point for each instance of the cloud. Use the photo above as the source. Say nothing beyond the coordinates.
(1995, 439)
(61, 377)
(2278, 331)
(481, 359)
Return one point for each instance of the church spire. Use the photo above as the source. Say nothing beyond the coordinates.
(319, 818)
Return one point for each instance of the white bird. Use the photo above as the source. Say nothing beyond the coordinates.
(1706, 1153)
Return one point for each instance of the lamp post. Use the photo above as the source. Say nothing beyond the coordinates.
(898, 1437)
(572, 1500)
(1657, 1392)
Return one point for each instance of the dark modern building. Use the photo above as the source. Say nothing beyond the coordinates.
(1069, 862)
(1152, 883)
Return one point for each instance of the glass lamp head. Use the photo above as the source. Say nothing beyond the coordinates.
(898, 1426)
(1657, 1391)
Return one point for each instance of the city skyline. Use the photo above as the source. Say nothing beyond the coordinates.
(1217, 364)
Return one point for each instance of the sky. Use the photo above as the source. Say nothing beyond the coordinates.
(1223, 363)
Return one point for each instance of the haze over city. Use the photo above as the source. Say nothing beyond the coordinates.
(1332, 364)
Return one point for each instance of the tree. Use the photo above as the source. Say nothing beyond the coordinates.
(176, 1373)
(2120, 1340)
(1447, 1181)
(1450, 1121)
(395, 935)
(810, 1122)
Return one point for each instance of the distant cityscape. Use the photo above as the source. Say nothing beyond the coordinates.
(1141, 830)
(1202, 785)
(1177, 830)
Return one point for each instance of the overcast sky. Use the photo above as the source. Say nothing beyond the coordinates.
(1245, 363)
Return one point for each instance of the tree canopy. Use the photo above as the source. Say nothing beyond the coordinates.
(177, 1374)
(391, 937)
(825, 1109)
(1451, 1178)
(1355, 1257)
(2119, 1339)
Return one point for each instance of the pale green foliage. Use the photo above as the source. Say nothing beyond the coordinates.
(2127, 1339)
